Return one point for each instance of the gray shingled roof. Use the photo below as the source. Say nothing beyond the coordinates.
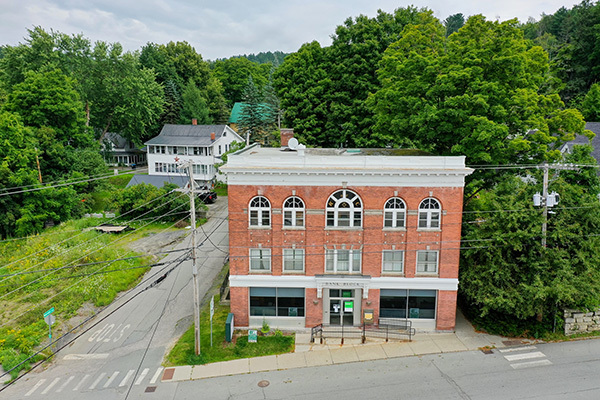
(158, 180)
(190, 135)
(595, 142)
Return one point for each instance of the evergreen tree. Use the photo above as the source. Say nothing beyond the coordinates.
(194, 105)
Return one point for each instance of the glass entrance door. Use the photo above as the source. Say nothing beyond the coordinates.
(341, 307)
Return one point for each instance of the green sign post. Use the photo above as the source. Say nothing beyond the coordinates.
(49, 318)
(252, 335)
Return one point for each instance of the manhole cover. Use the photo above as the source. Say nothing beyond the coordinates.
(487, 351)
(150, 389)
(263, 383)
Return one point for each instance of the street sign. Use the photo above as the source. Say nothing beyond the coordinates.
(252, 335)
(212, 312)
(50, 319)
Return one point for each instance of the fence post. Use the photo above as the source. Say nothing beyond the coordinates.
(364, 337)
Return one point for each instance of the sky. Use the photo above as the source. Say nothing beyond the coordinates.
(224, 28)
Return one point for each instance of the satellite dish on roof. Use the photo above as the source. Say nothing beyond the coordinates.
(293, 143)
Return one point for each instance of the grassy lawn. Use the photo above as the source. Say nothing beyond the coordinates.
(54, 270)
(221, 189)
(183, 352)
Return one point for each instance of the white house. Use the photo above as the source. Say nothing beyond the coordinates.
(203, 144)
(118, 150)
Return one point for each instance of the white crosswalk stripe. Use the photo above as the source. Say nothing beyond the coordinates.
(127, 377)
(97, 381)
(81, 382)
(525, 353)
(112, 378)
(531, 364)
(156, 375)
(50, 386)
(33, 389)
(64, 385)
(524, 356)
(142, 376)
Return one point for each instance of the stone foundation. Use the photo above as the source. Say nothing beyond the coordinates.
(581, 322)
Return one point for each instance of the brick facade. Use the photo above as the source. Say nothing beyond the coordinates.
(371, 238)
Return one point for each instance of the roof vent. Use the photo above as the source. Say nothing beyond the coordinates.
(293, 143)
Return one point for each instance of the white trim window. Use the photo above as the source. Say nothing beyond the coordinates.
(429, 213)
(260, 260)
(427, 262)
(393, 261)
(260, 212)
(394, 215)
(344, 209)
(293, 260)
(293, 212)
(342, 261)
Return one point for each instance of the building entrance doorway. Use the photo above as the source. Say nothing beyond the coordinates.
(341, 307)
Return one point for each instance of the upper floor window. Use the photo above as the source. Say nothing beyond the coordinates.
(429, 213)
(260, 211)
(427, 261)
(394, 214)
(393, 261)
(344, 209)
(293, 260)
(260, 259)
(342, 261)
(293, 212)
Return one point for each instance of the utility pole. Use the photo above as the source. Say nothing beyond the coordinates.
(192, 194)
(545, 212)
(549, 198)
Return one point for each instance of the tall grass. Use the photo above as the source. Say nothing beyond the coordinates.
(58, 280)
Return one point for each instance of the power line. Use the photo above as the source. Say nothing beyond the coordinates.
(81, 233)
(157, 281)
(91, 252)
(56, 185)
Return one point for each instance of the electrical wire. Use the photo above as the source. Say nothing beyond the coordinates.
(82, 232)
(56, 185)
(87, 254)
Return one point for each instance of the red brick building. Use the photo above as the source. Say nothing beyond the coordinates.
(325, 235)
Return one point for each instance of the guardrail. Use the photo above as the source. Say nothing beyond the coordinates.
(386, 329)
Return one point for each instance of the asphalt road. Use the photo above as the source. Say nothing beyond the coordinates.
(121, 356)
(547, 371)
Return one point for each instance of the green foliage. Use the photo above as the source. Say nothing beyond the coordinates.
(183, 351)
(256, 116)
(509, 281)
(323, 90)
(48, 99)
(177, 67)
(453, 23)
(474, 93)
(194, 105)
(234, 72)
(25, 297)
(590, 108)
(151, 202)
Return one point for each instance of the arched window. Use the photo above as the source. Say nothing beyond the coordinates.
(344, 209)
(293, 212)
(429, 213)
(394, 215)
(260, 211)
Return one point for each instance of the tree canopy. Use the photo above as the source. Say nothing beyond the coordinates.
(474, 93)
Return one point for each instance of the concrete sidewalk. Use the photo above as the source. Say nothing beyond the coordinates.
(312, 355)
